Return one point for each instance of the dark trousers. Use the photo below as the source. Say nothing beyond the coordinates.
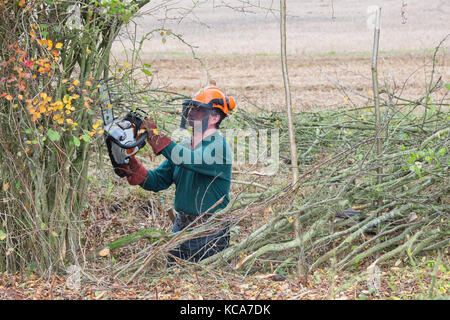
(198, 248)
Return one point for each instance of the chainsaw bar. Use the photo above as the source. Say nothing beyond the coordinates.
(107, 109)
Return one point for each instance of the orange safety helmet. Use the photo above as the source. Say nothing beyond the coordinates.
(217, 97)
(208, 97)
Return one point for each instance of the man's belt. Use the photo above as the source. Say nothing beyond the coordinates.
(185, 219)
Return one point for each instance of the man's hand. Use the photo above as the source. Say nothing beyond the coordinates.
(135, 171)
(157, 141)
(149, 125)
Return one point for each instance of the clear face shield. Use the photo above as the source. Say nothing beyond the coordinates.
(195, 114)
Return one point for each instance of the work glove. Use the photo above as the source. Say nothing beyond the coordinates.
(135, 171)
(156, 140)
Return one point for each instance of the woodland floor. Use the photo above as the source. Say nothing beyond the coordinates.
(396, 283)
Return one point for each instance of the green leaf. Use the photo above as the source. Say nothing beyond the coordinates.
(147, 72)
(147, 65)
(53, 135)
(447, 85)
(2, 235)
(87, 138)
(76, 141)
(441, 152)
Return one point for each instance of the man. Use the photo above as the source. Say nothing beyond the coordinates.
(200, 167)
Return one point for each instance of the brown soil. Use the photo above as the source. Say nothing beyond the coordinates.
(256, 81)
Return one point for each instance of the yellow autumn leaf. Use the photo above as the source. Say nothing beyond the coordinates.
(291, 220)
(126, 65)
(75, 82)
(155, 131)
(59, 45)
(97, 124)
(5, 187)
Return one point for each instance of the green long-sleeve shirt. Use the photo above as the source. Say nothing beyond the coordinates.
(202, 176)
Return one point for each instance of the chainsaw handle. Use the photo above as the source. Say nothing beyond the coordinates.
(138, 142)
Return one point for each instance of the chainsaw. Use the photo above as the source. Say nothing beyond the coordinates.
(121, 135)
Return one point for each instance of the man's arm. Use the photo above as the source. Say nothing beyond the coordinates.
(159, 179)
(154, 180)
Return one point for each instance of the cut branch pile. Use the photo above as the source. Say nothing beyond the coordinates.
(348, 214)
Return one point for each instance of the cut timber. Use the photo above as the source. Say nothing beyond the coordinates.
(150, 233)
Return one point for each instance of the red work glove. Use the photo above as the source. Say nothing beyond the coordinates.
(136, 172)
(155, 140)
